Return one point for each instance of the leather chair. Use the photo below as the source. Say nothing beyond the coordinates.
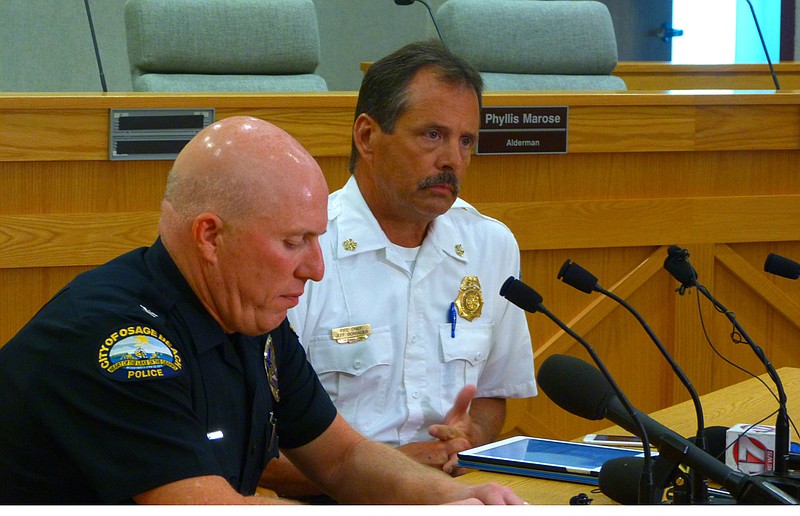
(534, 44)
(223, 45)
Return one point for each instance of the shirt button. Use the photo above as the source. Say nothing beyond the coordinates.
(478, 356)
(415, 394)
(357, 364)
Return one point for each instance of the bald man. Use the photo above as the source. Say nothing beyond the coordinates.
(170, 374)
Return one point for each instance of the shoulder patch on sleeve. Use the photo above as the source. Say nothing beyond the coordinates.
(137, 353)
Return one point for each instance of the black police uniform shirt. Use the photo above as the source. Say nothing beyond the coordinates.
(123, 382)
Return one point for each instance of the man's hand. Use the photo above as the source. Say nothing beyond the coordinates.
(491, 494)
(457, 422)
(438, 454)
(476, 424)
(453, 436)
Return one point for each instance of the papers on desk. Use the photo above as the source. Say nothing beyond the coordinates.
(543, 458)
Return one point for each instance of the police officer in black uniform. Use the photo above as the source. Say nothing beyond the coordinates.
(169, 374)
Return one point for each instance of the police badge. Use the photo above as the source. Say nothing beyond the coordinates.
(470, 299)
(271, 368)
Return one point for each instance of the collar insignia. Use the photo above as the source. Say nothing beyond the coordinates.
(349, 244)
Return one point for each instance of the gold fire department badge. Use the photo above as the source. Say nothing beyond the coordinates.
(470, 299)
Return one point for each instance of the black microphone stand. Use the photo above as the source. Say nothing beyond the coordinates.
(96, 48)
(430, 12)
(576, 276)
(647, 491)
(780, 476)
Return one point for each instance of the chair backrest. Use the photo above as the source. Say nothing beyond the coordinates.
(534, 44)
(223, 45)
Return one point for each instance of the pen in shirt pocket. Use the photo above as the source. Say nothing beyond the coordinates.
(452, 315)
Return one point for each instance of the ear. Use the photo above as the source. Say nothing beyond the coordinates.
(365, 129)
(207, 235)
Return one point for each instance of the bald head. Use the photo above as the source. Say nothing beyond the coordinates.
(237, 165)
(243, 209)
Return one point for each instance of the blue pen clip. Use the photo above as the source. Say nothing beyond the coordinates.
(452, 316)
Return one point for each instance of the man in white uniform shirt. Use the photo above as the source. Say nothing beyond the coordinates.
(407, 330)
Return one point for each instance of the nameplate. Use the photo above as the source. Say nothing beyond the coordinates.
(351, 334)
(523, 130)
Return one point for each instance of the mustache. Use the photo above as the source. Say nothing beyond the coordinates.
(442, 178)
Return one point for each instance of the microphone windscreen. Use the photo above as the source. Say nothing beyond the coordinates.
(619, 479)
(576, 276)
(679, 267)
(521, 294)
(556, 378)
(781, 266)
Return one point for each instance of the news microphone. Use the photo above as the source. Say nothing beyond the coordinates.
(677, 264)
(529, 300)
(764, 46)
(96, 48)
(618, 475)
(589, 395)
(781, 266)
(576, 276)
(430, 12)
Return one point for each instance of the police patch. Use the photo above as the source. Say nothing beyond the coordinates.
(138, 353)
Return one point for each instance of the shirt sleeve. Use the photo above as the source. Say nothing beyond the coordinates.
(127, 437)
(509, 368)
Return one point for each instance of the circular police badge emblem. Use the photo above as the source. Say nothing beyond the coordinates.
(138, 353)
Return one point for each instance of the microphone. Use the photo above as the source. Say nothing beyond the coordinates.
(433, 19)
(764, 46)
(677, 264)
(576, 276)
(529, 300)
(588, 394)
(618, 475)
(96, 48)
(781, 266)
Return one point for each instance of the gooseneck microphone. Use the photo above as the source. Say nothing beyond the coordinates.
(430, 12)
(781, 266)
(589, 395)
(677, 264)
(764, 46)
(529, 300)
(576, 276)
(96, 48)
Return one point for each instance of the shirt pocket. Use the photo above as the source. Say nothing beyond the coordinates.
(463, 355)
(355, 376)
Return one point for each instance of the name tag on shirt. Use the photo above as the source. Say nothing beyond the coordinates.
(351, 334)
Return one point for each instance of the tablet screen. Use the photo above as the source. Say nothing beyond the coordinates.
(555, 453)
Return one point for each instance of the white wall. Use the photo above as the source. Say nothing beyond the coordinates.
(45, 45)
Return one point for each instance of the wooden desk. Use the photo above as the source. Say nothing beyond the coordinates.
(745, 402)
(649, 75)
(716, 172)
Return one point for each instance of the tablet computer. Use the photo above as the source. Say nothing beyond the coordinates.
(544, 458)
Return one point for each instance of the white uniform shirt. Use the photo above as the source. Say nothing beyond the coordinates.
(405, 376)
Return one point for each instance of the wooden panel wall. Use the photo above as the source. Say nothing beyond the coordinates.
(717, 173)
